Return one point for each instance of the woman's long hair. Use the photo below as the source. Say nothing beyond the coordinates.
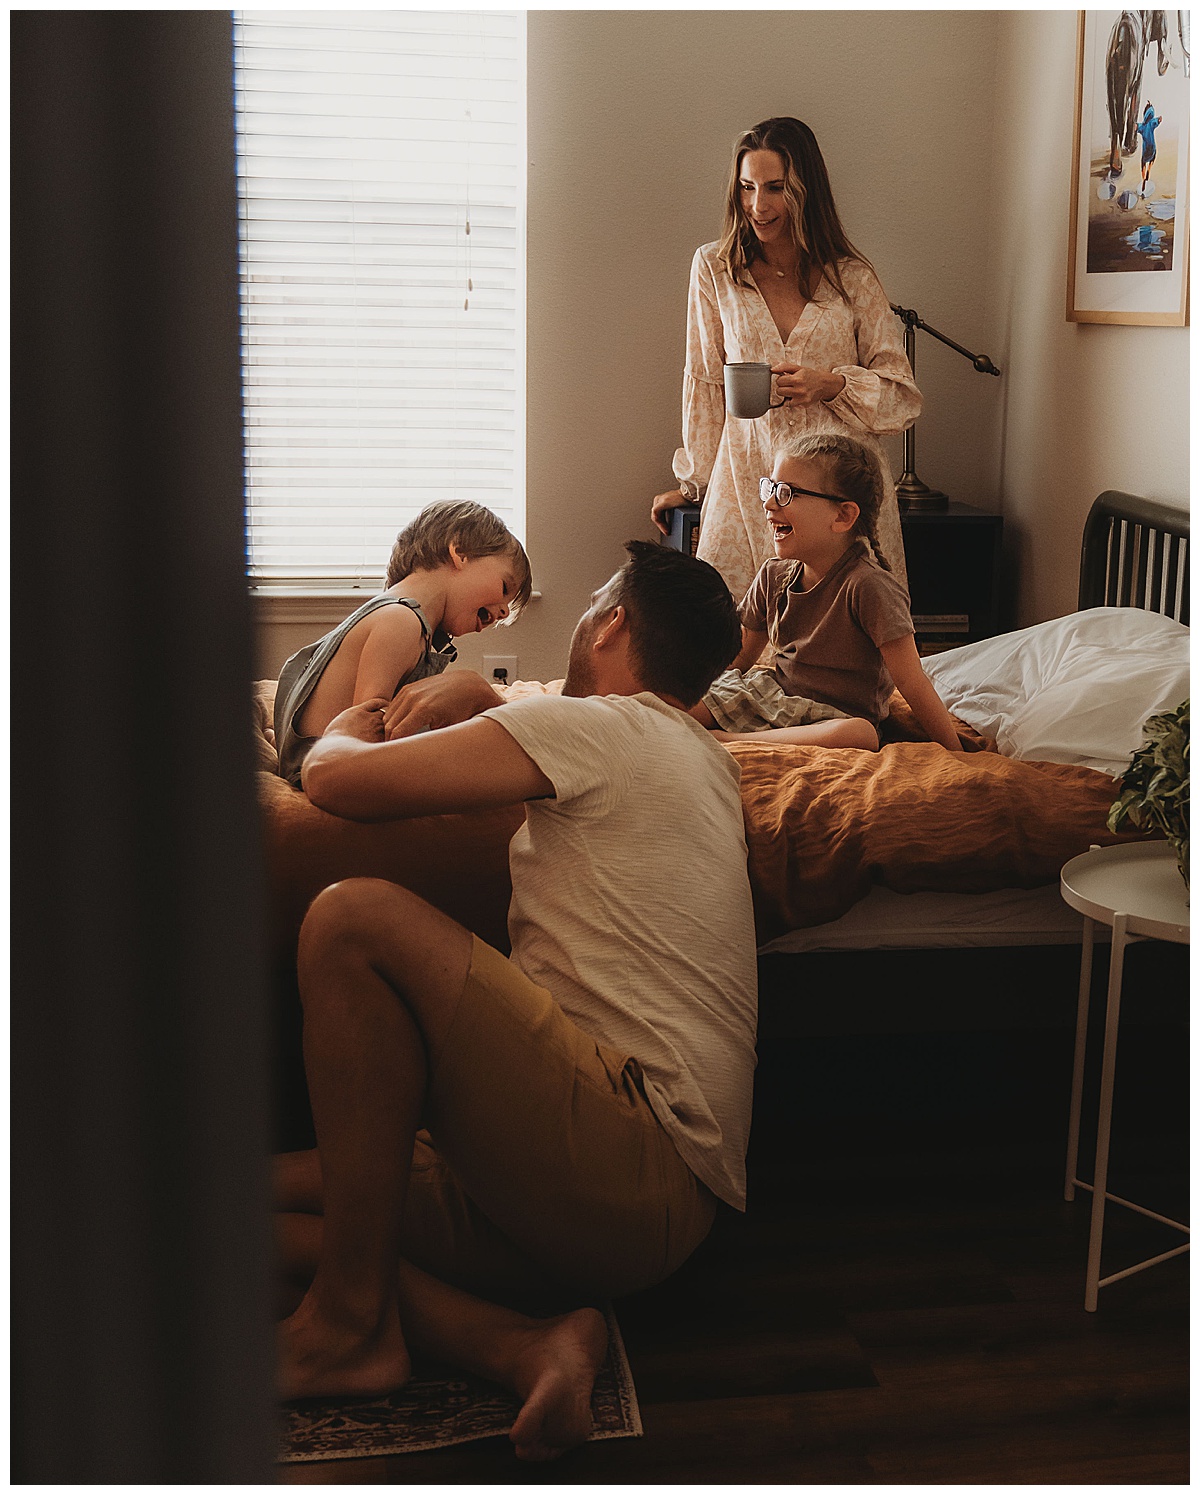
(814, 227)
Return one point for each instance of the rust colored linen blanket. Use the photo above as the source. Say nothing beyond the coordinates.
(826, 825)
(823, 827)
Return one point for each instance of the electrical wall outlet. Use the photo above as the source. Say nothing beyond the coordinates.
(500, 669)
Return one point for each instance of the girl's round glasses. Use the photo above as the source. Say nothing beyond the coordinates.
(783, 493)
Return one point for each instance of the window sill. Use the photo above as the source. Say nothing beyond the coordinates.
(313, 605)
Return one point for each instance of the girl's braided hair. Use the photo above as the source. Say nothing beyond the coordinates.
(854, 473)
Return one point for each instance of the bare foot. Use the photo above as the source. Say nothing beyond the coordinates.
(318, 1357)
(555, 1375)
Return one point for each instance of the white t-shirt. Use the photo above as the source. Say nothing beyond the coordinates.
(631, 906)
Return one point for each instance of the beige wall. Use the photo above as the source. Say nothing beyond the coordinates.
(948, 140)
(1078, 417)
(632, 115)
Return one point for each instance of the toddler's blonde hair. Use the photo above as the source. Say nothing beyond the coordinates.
(425, 544)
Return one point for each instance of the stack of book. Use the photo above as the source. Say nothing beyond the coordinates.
(685, 528)
(938, 631)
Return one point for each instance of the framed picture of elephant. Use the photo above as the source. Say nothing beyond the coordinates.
(1128, 254)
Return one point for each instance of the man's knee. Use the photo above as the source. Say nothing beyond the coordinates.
(366, 924)
(369, 920)
(357, 914)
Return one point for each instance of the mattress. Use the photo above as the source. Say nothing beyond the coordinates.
(885, 920)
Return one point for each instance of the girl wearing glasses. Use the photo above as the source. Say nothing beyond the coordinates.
(784, 286)
(833, 610)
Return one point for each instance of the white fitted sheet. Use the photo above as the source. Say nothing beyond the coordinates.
(884, 920)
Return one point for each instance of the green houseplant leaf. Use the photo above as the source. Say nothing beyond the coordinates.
(1155, 788)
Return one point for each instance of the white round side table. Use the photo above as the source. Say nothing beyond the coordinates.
(1138, 890)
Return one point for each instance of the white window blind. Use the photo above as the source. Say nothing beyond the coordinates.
(381, 182)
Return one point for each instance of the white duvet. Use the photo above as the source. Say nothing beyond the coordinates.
(1073, 690)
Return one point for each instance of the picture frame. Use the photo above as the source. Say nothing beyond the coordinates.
(1128, 249)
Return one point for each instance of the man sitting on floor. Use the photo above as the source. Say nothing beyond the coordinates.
(487, 1127)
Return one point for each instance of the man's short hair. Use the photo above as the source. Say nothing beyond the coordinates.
(683, 624)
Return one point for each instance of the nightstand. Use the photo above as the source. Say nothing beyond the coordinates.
(953, 560)
(1137, 889)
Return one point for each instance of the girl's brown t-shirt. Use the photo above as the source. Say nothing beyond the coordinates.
(827, 638)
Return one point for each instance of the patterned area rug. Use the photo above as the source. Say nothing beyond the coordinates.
(437, 1409)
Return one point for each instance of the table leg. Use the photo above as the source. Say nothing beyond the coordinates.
(1104, 1126)
(1081, 1022)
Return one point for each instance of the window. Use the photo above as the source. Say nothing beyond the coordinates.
(381, 185)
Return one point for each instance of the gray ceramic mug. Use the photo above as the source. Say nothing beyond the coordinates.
(748, 390)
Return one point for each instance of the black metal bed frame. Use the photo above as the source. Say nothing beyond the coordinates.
(1135, 554)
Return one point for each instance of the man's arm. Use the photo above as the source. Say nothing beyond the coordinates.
(474, 765)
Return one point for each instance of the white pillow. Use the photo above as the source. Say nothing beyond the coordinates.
(1073, 690)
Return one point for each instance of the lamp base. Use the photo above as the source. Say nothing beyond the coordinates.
(912, 493)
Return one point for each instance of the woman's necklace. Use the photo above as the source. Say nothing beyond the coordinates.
(789, 273)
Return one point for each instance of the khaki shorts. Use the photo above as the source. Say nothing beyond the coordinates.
(543, 1167)
(753, 701)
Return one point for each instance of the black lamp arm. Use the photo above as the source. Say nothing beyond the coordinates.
(912, 319)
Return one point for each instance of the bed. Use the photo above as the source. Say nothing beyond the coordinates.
(1066, 700)
(909, 847)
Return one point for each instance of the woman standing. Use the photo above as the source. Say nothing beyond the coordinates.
(784, 286)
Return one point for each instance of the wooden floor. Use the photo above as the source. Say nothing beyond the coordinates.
(903, 1301)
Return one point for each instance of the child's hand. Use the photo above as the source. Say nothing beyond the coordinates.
(364, 721)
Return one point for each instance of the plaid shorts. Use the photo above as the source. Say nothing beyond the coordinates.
(753, 701)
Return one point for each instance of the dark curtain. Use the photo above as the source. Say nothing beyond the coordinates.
(141, 1310)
